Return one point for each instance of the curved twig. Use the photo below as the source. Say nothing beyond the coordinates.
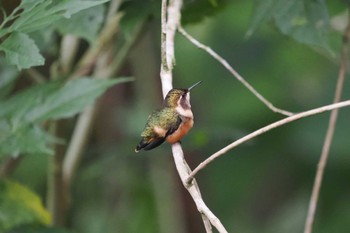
(264, 130)
(233, 72)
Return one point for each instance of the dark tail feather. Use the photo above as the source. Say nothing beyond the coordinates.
(149, 145)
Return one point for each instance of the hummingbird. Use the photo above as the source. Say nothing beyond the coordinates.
(170, 123)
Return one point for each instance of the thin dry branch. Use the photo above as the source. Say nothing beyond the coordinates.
(264, 130)
(170, 22)
(233, 72)
(83, 126)
(330, 132)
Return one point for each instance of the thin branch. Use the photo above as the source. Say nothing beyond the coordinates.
(9, 165)
(166, 75)
(169, 26)
(330, 132)
(68, 51)
(183, 169)
(264, 130)
(87, 62)
(35, 75)
(233, 72)
(82, 130)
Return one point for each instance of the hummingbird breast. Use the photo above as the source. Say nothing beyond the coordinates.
(181, 131)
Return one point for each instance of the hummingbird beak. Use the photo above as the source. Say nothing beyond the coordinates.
(191, 87)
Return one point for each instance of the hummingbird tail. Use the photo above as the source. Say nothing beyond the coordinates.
(149, 144)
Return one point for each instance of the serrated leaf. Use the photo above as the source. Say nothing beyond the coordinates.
(74, 6)
(8, 75)
(21, 51)
(15, 108)
(73, 97)
(37, 16)
(30, 4)
(26, 139)
(262, 11)
(19, 205)
(305, 21)
(85, 24)
(21, 115)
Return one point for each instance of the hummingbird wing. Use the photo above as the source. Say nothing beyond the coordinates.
(159, 125)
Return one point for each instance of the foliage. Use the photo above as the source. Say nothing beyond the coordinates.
(38, 229)
(194, 11)
(19, 205)
(262, 186)
(22, 114)
(30, 16)
(305, 21)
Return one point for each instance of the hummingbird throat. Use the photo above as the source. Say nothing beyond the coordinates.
(184, 107)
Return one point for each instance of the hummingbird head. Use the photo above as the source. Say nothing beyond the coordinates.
(179, 97)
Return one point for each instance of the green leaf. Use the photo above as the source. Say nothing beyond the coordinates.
(21, 51)
(194, 11)
(85, 24)
(48, 12)
(262, 11)
(8, 76)
(21, 115)
(38, 229)
(16, 108)
(72, 98)
(35, 17)
(305, 21)
(71, 7)
(26, 139)
(136, 12)
(19, 205)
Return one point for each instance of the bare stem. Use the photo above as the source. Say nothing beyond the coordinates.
(82, 130)
(35, 75)
(233, 72)
(68, 50)
(9, 165)
(264, 130)
(329, 135)
(170, 23)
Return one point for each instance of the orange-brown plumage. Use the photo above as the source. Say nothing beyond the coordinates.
(180, 132)
(170, 123)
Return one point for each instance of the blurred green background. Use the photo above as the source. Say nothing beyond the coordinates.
(263, 185)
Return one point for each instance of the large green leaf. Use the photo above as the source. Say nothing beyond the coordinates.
(17, 107)
(21, 51)
(304, 20)
(8, 75)
(70, 99)
(48, 12)
(19, 205)
(85, 24)
(25, 139)
(21, 115)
